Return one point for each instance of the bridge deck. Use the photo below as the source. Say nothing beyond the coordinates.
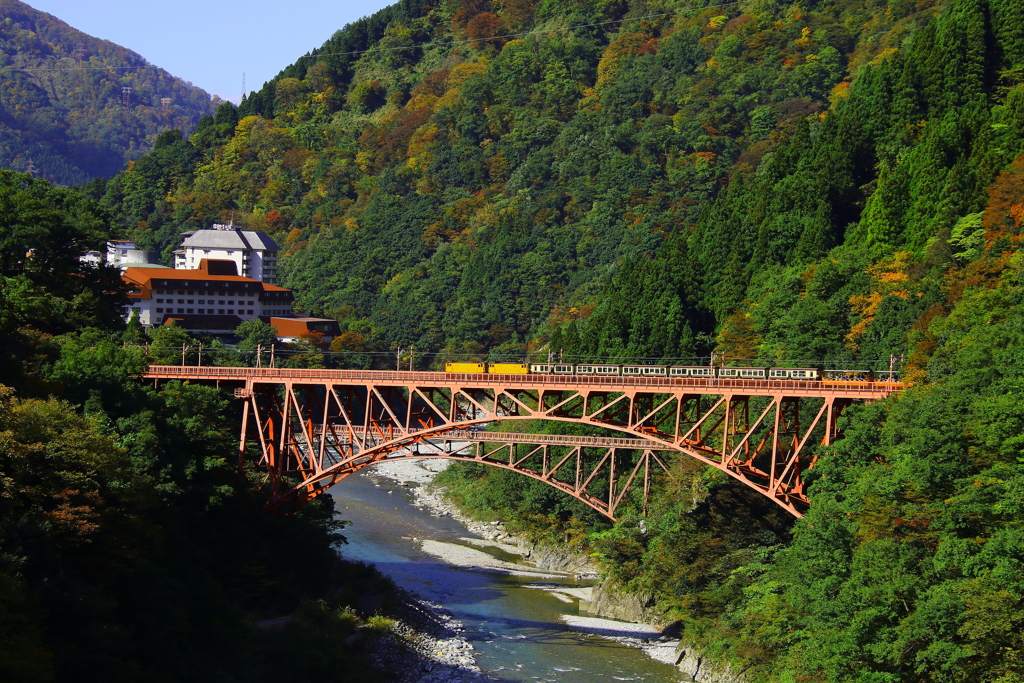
(714, 385)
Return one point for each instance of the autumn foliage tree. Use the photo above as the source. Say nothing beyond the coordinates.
(482, 28)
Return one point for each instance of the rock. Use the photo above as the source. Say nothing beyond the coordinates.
(702, 670)
(614, 603)
(673, 631)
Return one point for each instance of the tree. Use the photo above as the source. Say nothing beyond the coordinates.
(255, 335)
(350, 348)
(482, 28)
(172, 345)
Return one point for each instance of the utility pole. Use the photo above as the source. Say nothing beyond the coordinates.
(200, 354)
(398, 359)
(271, 355)
(183, 354)
(259, 354)
(411, 352)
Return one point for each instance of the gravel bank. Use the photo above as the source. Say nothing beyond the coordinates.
(643, 636)
(428, 645)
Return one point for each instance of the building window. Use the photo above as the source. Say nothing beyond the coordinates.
(231, 310)
(190, 301)
(181, 310)
(181, 301)
(159, 301)
(200, 311)
(159, 310)
(221, 311)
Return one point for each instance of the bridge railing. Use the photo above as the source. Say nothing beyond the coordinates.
(377, 376)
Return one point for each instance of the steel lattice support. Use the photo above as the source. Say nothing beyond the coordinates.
(308, 429)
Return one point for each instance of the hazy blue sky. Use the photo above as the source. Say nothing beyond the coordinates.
(212, 42)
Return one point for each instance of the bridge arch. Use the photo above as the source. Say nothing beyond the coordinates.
(317, 426)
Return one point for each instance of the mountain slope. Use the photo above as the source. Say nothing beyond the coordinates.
(836, 183)
(61, 101)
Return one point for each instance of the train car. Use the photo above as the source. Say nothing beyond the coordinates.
(507, 369)
(466, 368)
(848, 375)
(887, 376)
(551, 369)
(597, 369)
(793, 373)
(691, 371)
(741, 373)
(644, 370)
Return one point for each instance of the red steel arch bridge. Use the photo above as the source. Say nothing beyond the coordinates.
(309, 429)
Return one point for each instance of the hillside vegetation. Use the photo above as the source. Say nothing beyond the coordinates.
(61, 109)
(131, 547)
(833, 182)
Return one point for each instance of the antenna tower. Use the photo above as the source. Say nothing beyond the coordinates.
(80, 53)
(126, 95)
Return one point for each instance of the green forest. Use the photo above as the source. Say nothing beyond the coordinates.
(131, 548)
(828, 182)
(62, 110)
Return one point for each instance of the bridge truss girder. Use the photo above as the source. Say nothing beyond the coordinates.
(321, 432)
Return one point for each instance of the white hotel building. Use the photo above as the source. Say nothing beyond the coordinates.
(254, 254)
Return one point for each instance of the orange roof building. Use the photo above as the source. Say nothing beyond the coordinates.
(212, 298)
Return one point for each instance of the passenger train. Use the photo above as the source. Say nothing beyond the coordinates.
(701, 371)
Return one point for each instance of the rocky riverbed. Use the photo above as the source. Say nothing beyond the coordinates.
(547, 563)
(427, 645)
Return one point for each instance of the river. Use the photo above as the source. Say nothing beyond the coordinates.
(513, 626)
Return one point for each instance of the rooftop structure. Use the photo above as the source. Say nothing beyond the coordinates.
(124, 254)
(254, 253)
(291, 329)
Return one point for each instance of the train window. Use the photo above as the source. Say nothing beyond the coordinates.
(780, 373)
(632, 369)
(678, 372)
(540, 369)
(561, 369)
(597, 370)
(751, 372)
(728, 372)
(654, 370)
(803, 374)
(702, 372)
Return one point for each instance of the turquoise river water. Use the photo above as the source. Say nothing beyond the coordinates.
(515, 630)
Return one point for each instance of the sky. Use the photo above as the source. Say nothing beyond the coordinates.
(211, 43)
